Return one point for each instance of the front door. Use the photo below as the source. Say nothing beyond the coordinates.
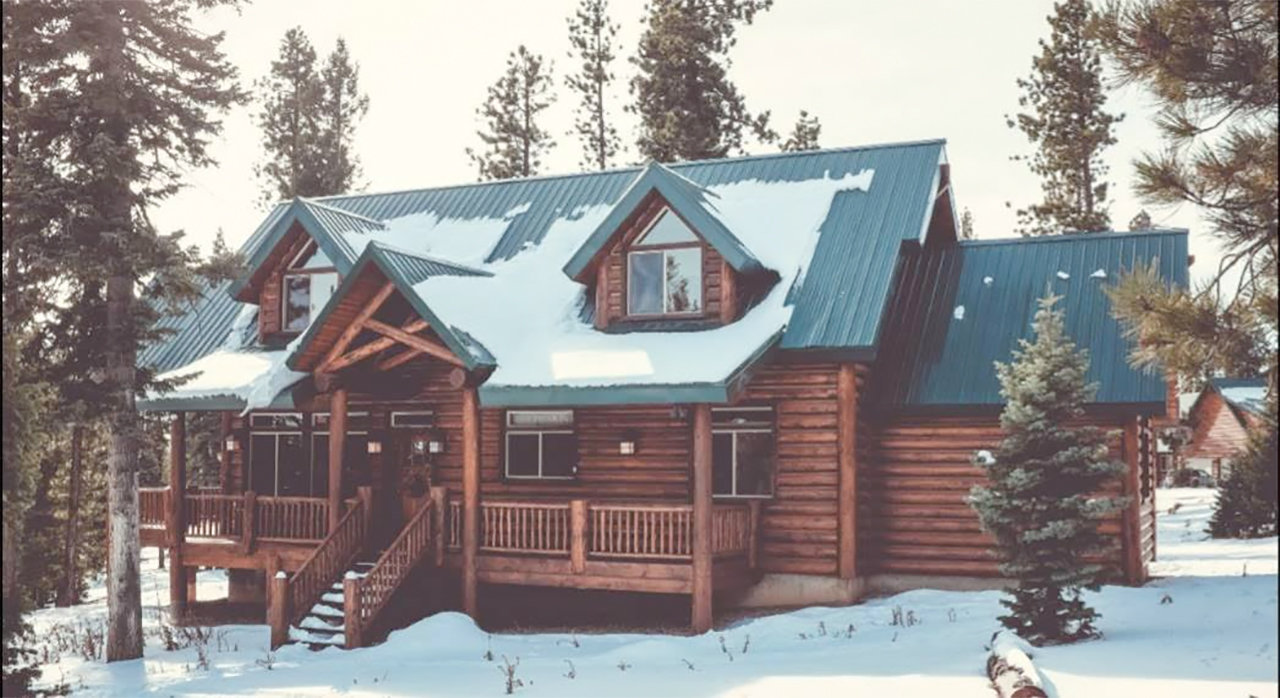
(406, 475)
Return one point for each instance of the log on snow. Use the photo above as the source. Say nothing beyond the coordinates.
(1010, 669)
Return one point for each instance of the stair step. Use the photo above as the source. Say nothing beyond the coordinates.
(326, 611)
(320, 624)
(312, 637)
(332, 597)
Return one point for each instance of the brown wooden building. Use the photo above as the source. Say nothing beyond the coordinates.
(1220, 420)
(753, 381)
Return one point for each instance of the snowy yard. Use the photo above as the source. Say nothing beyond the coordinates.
(1207, 628)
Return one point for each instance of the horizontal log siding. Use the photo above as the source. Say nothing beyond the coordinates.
(912, 485)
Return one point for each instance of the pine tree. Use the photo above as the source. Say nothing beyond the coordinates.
(514, 143)
(342, 106)
(292, 95)
(1140, 221)
(688, 107)
(1247, 505)
(1065, 118)
(804, 135)
(1042, 500)
(1212, 70)
(132, 103)
(592, 34)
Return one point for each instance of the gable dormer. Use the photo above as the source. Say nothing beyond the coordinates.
(663, 258)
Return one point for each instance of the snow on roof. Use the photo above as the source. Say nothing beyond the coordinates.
(1252, 398)
(465, 241)
(528, 314)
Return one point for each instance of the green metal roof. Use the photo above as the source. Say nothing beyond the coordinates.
(959, 308)
(691, 202)
(837, 306)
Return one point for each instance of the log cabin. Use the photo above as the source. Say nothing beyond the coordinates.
(1220, 419)
(754, 381)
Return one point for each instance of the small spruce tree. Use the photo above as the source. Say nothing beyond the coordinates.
(1247, 497)
(1042, 501)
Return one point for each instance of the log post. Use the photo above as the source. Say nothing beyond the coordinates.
(351, 610)
(701, 611)
(601, 320)
(1132, 526)
(578, 535)
(176, 525)
(224, 455)
(470, 497)
(337, 445)
(439, 500)
(847, 461)
(753, 536)
(278, 608)
(249, 520)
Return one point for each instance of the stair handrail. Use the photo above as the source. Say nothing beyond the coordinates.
(365, 596)
(328, 560)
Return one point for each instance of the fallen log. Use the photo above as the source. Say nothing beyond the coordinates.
(1010, 668)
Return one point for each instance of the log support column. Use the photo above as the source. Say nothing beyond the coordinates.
(847, 463)
(179, 591)
(1132, 524)
(702, 582)
(337, 445)
(470, 497)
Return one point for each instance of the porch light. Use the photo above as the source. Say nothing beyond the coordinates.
(375, 447)
(231, 443)
(435, 441)
(627, 446)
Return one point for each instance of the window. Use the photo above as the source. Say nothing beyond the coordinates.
(277, 466)
(355, 453)
(541, 444)
(665, 280)
(306, 288)
(276, 421)
(412, 419)
(742, 451)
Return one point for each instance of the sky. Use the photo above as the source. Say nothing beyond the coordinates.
(872, 71)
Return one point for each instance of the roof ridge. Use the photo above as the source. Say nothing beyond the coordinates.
(308, 201)
(430, 258)
(632, 168)
(1073, 237)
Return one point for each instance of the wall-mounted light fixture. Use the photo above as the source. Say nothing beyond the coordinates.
(231, 443)
(627, 444)
(375, 446)
(435, 441)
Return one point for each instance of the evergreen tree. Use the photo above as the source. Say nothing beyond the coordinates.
(1065, 118)
(592, 34)
(1042, 500)
(514, 143)
(966, 224)
(688, 107)
(804, 135)
(1212, 69)
(342, 106)
(1141, 221)
(292, 95)
(1247, 505)
(132, 101)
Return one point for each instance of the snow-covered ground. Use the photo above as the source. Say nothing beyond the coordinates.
(1208, 628)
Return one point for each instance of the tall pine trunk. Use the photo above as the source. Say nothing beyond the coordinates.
(68, 590)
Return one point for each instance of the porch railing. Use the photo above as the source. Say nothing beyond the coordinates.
(604, 530)
(209, 514)
(151, 506)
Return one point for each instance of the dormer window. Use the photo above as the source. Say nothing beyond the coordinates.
(306, 286)
(664, 269)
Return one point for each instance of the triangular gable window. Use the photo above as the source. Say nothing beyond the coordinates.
(667, 229)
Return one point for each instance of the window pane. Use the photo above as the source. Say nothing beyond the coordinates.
(668, 229)
(320, 465)
(684, 280)
(293, 478)
(297, 303)
(722, 464)
(412, 419)
(526, 419)
(322, 287)
(559, 453)
(262, 463)
(522, 455)
(644, 283)
(755, 463)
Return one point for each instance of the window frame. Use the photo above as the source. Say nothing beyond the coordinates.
(292, 271)
(391, 419)
(275, 435)
(508, 431)
(638, 247)
(749, 428)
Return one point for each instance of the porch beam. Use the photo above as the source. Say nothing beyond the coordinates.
(470, 497)
(353, 330)
(847, 465)
(702, 581)
(366, 350)
(178, 590)
(337, 444)
(422, 344)
(403, 357)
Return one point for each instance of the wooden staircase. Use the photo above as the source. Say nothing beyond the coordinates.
(340, 611)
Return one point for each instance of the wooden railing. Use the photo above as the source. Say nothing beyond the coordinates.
(152, 503)
(291, 598)
(608, 531)
(641, 531)
(365, 597)
(214, 515)
(524, 527)
(291, 519)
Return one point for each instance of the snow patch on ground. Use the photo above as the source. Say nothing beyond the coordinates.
(1214, 636)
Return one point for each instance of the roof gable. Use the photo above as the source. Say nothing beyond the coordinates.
(692, 203)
